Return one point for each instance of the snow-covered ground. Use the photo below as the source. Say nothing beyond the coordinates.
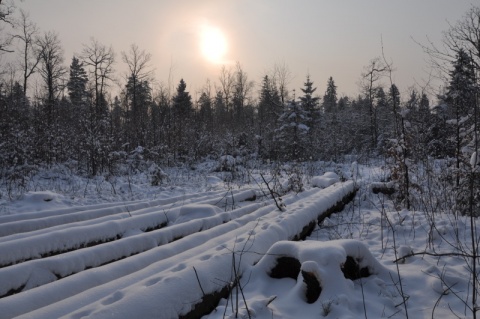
(134, 250)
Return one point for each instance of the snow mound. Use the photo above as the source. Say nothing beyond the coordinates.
(39, 201)
(313, 278)
(196, 211)
(213, 181)
(327, 179)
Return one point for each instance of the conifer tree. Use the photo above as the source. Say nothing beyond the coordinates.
(291, 137)
(269, 110)
(310, 105)
(182, 109)
(330, 97)
(16, 146)
(77, 83)
(460, 98)
(331, 124)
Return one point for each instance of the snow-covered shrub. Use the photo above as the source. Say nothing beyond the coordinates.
(136, 160)
(157, 175)
(294, 181)
(226, 163)
(17, 179)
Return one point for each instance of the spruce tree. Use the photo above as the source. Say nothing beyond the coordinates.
(309, 102)
(291, 136)
(331, 123)
(182, 109)
(330, 97)
(460, 99)
(77, 83)
(269, 110)
(310, 105)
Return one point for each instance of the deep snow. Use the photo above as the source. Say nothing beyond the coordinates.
(206, 230)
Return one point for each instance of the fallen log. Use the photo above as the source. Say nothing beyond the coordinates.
(170, 288)
(209, 301)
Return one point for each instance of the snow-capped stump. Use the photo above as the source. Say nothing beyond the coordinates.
(327, 179)
(318, 266)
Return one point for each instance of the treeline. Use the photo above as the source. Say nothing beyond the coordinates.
(72, 117)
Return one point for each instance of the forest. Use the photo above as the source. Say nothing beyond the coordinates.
(123, 196)
(76, 118)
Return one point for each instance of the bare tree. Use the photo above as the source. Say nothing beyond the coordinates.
(100, 59)
(464, 35)
(401, 145)
(52, 69)
(138, 62)
(241, 106)
(282, 77)
(30, 54)
(370, 76)
(6, 10)
(227, 81)
(242, 86)
(138, 78)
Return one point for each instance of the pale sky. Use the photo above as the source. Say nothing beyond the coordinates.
(323, 38)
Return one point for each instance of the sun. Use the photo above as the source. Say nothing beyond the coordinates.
(213, 44)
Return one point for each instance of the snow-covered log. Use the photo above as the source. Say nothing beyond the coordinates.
(169, 288)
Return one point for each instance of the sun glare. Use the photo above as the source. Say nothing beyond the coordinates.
(213, 44)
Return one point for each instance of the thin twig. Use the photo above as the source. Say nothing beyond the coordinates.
(198, 280)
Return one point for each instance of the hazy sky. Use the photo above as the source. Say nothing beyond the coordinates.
(324, 38)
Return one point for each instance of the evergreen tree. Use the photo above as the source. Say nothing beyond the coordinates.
(220, 115)
(384, 115)
(310, 105)
(394, 104)
(420, 118)
(331, 123)
(139, 99)
(205, 114)
(161, 134)
(117, 122)
(460, 99)
(182, 101)
(204, 126)
(343, 102)
(361, 122)
(205, 106)
(291, 136)
(77, 83)
(424, 105)
(269, 110)
(182, 109)
(309, 102)
(330, 97)
(16, 146)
